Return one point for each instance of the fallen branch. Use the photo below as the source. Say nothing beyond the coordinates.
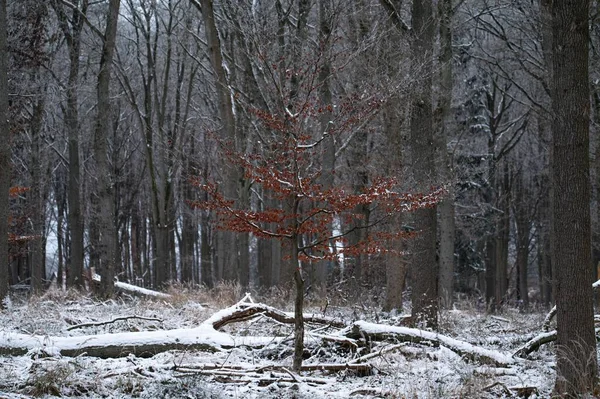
(552, 312)
(361, 369)
(381, 332)
(244, 311)
(120, 318)
(134, 289)
(536, 342)
(246, 377)
(548, 319)
(381, 352)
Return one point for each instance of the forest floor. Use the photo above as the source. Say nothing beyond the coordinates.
(408, 371)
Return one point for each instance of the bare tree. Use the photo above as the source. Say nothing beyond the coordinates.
(424, 268)
(105, 191)
(5, 164)
(72, 28)
(446, 221)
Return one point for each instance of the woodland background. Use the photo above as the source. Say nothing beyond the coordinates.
(489, 147)
(194, 141)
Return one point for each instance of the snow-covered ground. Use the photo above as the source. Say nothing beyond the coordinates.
(408, 371)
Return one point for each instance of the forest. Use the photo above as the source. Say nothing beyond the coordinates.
(299, 198)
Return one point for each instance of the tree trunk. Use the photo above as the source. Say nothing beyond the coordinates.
(502, 239)
(72, 28)
(446, 222)
(106, 213)
(37, 199)
(576, 343)
(298, 310)
(228, 245)
(424, 269)
(523, 224)
(396, 266)
(328, 146)
(5, 163)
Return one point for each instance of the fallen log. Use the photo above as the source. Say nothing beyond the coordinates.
(382, 332)
(142, 344)
(148, 343)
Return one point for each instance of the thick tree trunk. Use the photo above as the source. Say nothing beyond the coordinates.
(5, 164)
(106, 212)
(424, 268)
(576, 354)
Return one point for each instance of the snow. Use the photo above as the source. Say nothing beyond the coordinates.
(449, 342)
(404, 370)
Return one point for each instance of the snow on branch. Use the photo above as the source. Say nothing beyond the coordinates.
(469, 351)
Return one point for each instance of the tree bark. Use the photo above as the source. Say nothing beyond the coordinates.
(523, 225)
(5, 164)
(328, 154)
(446, 221)
(228, 243)
(424, 268)
(106, 211)
(72, 29)
(576, 344)
(37, 199)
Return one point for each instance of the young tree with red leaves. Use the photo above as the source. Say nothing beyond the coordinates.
(287, 167)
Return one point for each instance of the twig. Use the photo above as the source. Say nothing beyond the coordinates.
(496, 384)
(383, 351)
(121, 318)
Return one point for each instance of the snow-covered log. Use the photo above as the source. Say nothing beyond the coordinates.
(134, 289)
(142, 344)
(149, 343)
(381, 332)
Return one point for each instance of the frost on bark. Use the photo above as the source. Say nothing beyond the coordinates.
(576, 344)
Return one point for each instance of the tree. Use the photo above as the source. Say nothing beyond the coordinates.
(446, 220)
(288, 168)
(229, 266)
(72, 28)
(576, 344)
(424, 268)
(5, 164)
(106, 209)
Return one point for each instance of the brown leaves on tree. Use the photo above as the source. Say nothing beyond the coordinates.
(286, 168)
